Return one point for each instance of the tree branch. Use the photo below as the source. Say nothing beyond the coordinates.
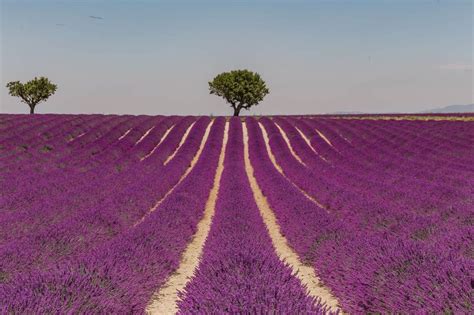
(25, 99)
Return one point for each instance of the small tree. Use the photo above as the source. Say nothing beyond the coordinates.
(240, 88)
(32, 92)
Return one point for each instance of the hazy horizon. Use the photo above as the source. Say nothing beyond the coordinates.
(145, 57)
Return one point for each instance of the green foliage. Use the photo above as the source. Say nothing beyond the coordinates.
(47, 148)
(240, 88)
(33, 91)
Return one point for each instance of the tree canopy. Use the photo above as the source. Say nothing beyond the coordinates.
(33, 91)
(240, 88)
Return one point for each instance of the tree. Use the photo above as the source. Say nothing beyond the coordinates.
(240, 88)
(33, 91)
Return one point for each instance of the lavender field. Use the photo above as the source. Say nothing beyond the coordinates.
(281, 215)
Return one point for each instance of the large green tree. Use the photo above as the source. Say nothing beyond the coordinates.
(33, 91)
(240, 88)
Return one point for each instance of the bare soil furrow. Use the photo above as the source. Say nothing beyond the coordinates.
(305, 273)
(280, 170)
(161, 141)
(285, 137)
(188, 170)
(180, 144)
(165, 300)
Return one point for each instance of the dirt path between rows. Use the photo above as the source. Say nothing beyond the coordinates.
(188, 170)
(125, 134)
(185, 136)
(158, 144)
(305, 274)
(165, 300)
(288, 143)
(267, 144)
(305, 138)
(324, 137)
(280, 170)
(308, 142)
(77, 137)
(144, 135)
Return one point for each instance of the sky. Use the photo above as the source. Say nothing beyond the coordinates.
(156, 57)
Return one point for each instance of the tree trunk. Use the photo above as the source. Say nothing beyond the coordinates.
(236, 111)
(32, 109)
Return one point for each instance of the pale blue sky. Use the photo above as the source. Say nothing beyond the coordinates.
(156, 57)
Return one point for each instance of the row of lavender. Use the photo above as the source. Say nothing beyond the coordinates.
(93, 214)
(392, 235)
(240, 271)
(64, 187)
(394, 232)
(90, 260)
(118, 271)
(88, 207)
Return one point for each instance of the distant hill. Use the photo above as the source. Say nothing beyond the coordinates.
(469, 108)
(452, 109)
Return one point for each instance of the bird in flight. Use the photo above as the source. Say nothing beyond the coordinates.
(96, 17)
